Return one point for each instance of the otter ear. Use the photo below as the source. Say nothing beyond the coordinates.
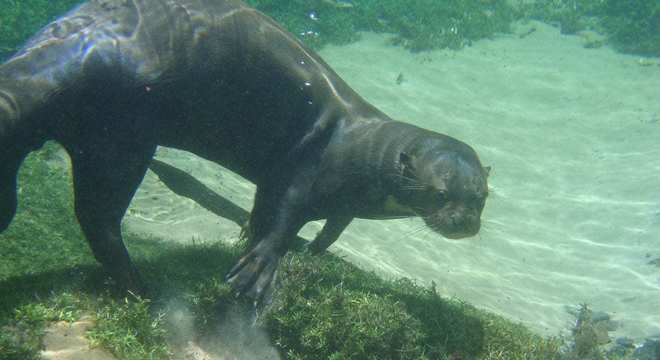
(487, 170)
(406, 161)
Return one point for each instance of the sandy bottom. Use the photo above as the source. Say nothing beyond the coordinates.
(573, 136)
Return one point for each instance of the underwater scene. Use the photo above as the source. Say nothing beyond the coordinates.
(509, 209)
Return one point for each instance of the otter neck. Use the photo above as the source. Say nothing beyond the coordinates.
(389, 142)
(376, 146)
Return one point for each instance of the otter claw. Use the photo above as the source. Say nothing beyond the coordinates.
(253, 274)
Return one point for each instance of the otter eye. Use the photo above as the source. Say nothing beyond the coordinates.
(441, 196)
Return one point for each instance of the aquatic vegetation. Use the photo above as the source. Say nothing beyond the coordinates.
(19, 19)
(327, 308)
(631, 26)
(129, 330)
(427, 24)
(570, 15)
(417, 25)
(588, 335)
(316, 22)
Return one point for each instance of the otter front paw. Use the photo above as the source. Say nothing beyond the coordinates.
(253, 274)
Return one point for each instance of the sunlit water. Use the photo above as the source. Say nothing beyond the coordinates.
(573, 136)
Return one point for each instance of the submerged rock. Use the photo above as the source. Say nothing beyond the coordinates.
(650, 350)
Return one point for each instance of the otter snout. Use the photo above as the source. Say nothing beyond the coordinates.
(454, 225)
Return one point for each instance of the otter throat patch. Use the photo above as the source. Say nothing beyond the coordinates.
(393, 206)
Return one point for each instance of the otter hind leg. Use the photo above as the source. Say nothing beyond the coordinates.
(105, 178)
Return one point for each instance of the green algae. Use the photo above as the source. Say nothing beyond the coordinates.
(19, 19)
(631, 26)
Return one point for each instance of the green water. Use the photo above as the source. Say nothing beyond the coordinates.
(561, 98)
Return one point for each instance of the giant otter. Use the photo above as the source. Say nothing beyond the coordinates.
(112, 79)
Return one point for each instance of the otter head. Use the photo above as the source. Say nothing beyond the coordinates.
(444, 183)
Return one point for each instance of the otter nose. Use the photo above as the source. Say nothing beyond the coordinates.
(464, 226)
(472, 224)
